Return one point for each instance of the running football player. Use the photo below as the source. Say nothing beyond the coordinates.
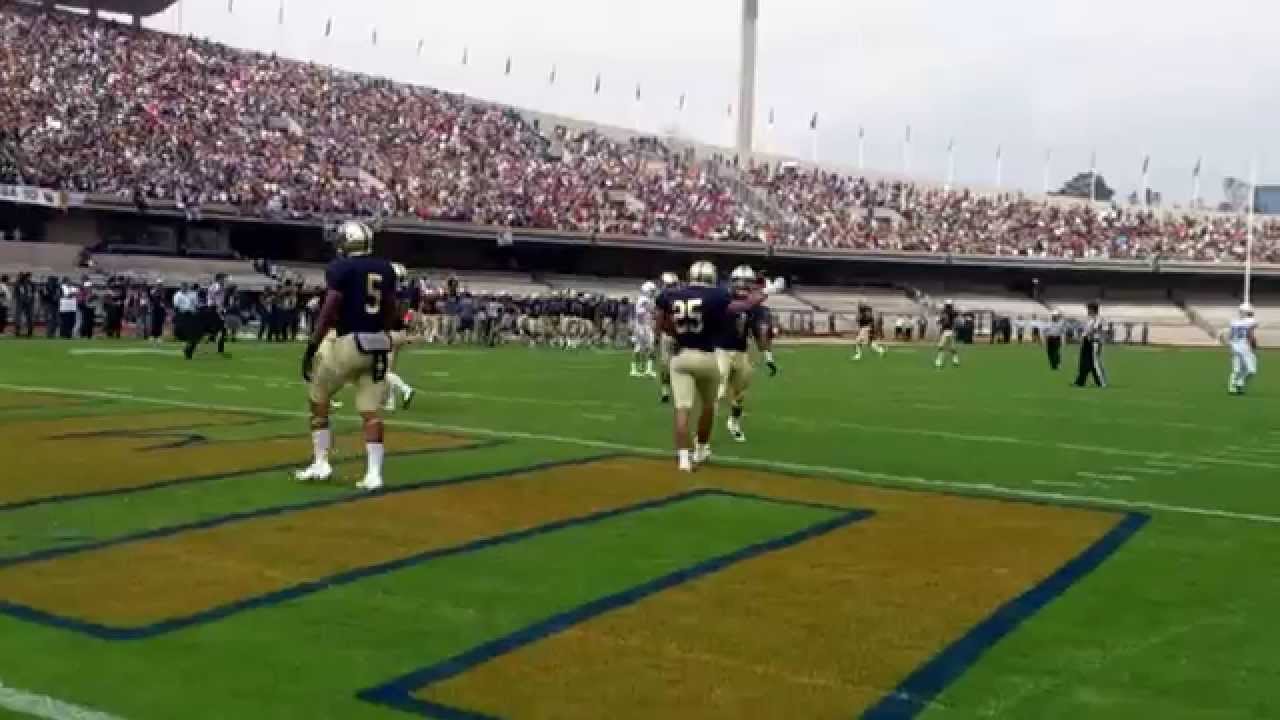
(866, 332)
(947, 337)
(398, 385)
(666, 344)
(731, 352)
(1243, 341)
(697, 316)
(350, 345)
(642, 332)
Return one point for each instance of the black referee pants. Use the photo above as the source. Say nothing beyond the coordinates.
(1053, 346)
(1091, 364)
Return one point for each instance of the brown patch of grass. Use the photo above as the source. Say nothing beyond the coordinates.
(821, 629)
(152, 580)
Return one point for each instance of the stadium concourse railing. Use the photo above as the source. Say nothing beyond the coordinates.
(692, 246)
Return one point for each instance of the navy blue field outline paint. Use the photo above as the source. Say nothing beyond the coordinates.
(927, 682)
(398, 694)
(473, 443)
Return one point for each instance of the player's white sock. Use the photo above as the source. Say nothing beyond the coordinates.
(937, 361)
(686, 459)
(955, 360)
(648, 368)
(878, 348)
(374, 453)
(321, 440)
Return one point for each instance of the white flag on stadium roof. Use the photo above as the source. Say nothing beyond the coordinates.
(1146, 163)
(682, 100)
(551, 78)
(951, 145)
(1195, 172)
(637, 92)
(374, 37)
(508, 70)
(464, 55)
(231, 6)
(328, 27)
(771, 117)
(729, 110)
(999, 151)
(597, 88)
(813, 122)
(280, 14)
(862, 132)
(908, 133)
(421, 42)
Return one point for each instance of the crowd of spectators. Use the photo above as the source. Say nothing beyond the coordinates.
(829, 210)
(93, 106)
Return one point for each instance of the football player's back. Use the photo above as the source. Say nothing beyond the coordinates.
(365, 283)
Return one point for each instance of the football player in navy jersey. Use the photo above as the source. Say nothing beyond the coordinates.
(350, 345)
(731, 352)
(697, 316)
(947, 336)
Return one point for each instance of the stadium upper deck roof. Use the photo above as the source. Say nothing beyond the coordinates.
(141, 8)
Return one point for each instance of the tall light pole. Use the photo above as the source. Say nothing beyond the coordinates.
(747, 76)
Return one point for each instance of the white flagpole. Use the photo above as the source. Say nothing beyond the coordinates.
(861, 147)
(1195, 183)
(1248, 247)
(999, 167)
(1093, 177)
(1146, 182)
(951, 164)
(906, 153)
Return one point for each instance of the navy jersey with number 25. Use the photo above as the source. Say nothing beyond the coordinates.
(367, 286)
(700, 315)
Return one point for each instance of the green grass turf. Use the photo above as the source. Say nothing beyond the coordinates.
(1177, 624)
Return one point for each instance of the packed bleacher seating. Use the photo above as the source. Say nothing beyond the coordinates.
(829, 210)
(97, 107)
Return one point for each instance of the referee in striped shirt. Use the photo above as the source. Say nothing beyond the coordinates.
(1091, 350)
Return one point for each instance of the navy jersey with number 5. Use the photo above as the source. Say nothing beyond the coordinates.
(368, 286)
(700, 315)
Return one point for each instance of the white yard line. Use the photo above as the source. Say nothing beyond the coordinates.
(1057, 483)
(866, 475)
(231, 388)
(1147, 471)
(43, 706)
(1106, 476)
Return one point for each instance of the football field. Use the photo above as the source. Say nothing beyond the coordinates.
(892, 541)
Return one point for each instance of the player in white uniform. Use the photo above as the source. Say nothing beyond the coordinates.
(642, 332)
(1243, 343)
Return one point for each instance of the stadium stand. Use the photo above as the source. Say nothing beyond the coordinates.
(108, 110)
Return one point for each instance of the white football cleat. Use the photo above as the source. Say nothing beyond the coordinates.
(407, 400)
(318, 472)
(636, 373)
(686, 466)
(370, 483)
(880, 350)
(702, 455)
(955, 361)
(735, 430)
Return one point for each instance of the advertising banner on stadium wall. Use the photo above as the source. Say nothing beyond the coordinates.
(28, 195)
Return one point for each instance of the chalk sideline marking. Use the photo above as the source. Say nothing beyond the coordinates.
(889, 479)
(43, 706)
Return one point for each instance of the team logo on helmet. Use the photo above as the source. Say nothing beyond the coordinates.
(354, 239)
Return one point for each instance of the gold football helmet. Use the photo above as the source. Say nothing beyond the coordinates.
(702, 273)
(354, 239)
(670, 280)
(743, 277)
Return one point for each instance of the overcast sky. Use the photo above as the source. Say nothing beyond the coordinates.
(1173, 78)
